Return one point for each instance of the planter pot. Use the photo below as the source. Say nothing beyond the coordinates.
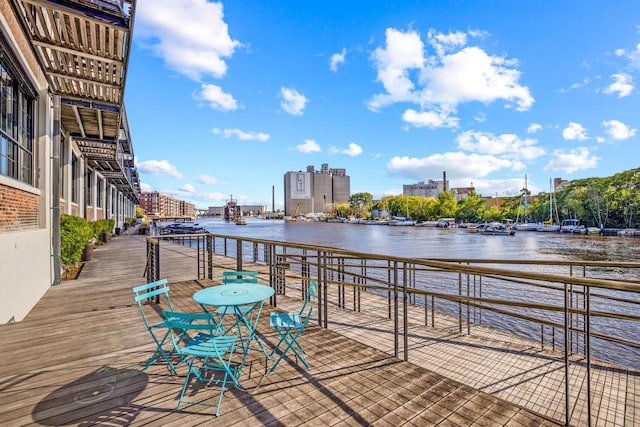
(87, 255)
(105, 236)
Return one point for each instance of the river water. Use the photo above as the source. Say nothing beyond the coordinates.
(432, 242)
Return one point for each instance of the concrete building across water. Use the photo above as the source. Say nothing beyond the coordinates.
(315, 191)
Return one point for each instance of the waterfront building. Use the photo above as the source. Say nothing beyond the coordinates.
(315, 191)
(247, 210)
(165, 206)
(430, 189)
(65, 146)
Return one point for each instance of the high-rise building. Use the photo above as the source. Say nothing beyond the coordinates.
(315, 191)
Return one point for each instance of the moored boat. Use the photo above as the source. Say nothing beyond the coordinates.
(571, 225)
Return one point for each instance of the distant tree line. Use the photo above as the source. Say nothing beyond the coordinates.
(611, 202)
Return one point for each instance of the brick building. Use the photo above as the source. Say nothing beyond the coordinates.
(162, 205)
(65, 146)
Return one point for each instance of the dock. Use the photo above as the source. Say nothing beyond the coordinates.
(77, 359)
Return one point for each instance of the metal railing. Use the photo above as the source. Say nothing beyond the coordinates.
(588, 310)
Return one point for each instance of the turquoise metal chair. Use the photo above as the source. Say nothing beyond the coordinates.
(204, 352)
(290, 326)
(239, 277)
(158, 291)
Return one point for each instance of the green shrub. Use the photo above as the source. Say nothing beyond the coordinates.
(75, 233)
(102, 226)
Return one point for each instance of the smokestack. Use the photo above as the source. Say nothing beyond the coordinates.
(444, 181)
(273, 198)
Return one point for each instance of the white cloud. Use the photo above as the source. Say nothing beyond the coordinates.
(503, 187)
(455, 163)
(242, 135)
(293, 102)
(635, 57)
(622, 85)
(472, 75)
(403, 52)
(574, 131)
(190, 36)
(506, 145)
(618, 130)
(159, 167)
(337, 59)
(353, 150)
(309, 146)
(187, 188)
(534, 127)
(216, 98)
(146, 188)
(208, 180)
(430, 119)
(571, 161)
(439, 83)
(480, 117)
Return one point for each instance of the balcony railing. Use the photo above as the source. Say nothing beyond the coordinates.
(585, 311)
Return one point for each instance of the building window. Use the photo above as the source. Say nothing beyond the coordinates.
(89, 186)
(99, 192)
(16, 125)
(75, 175)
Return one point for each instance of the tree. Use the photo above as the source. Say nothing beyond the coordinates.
(447, 204)
(471, 208)
(343, 210)
(361, 204)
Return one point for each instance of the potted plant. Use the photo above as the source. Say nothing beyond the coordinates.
(76, 240)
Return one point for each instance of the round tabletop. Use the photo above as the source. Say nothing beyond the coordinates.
(233, 294)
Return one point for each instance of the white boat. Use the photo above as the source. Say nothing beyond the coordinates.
(427, 224)
(492, 229)
(446, 222)
(571, 225)
(498, 229)
(527, 226)
(549, 225)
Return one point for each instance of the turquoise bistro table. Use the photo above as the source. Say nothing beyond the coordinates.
(235, 298)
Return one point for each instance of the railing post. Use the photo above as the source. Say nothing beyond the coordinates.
(395, 309)
(460, 302)
(405, 311)
(239, 255)
(209, 244)
(567, 319)
(587, 343)
(325, 290)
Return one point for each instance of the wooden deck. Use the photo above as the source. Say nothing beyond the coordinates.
(77, 360)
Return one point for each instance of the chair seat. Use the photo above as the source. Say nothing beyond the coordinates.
(203, 345)
(163, 324)
(286, 320)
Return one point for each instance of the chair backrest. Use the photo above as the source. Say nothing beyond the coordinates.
(156, 289)
(239, 277)
(179, 323)
(309, 298)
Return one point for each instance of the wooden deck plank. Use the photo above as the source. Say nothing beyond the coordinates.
(78, 358)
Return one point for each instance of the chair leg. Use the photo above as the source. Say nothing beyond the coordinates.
(292, 343)
(160, 352)
(186, 382)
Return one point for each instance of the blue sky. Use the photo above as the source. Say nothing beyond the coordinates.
(224, 98)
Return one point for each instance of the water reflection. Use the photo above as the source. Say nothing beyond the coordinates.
(428, 242)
